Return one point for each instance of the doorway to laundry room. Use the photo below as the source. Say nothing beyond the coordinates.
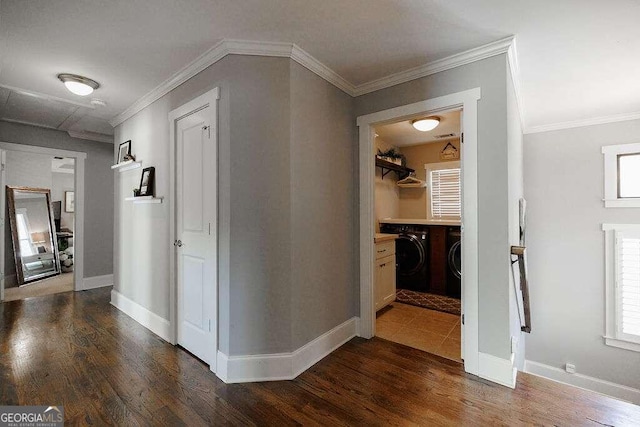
(418, 210)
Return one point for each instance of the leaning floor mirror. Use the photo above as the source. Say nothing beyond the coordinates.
(33, 233)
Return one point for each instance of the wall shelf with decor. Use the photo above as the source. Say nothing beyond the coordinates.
(126, 165)
(387, 167)
(144, 199)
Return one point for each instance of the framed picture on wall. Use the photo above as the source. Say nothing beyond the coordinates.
(123, 151)
(147, 181)
(69, 201)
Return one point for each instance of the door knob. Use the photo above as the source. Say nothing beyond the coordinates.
(178, 243)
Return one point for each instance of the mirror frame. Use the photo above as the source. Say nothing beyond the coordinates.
(14, 233)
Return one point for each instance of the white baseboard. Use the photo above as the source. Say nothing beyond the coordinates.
(146, 318)
(619, 391)
(96, 282)
(497, 369)
(283, 366)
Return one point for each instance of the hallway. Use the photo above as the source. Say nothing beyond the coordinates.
(76, 350)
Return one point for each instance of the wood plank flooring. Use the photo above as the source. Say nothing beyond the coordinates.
(76, 350)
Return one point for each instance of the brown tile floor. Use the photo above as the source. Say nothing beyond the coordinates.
(428, 330)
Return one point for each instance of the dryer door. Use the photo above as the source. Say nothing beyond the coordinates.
(410, 255)
(455, 263)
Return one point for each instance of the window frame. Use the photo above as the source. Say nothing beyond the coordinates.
(612, 154)
(613, 331)
(430, 167)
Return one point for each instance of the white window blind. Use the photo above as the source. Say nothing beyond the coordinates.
(445, 193)
(628, 285)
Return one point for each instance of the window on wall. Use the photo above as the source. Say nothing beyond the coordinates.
(622, 175)
(623, 285)
(444, 191)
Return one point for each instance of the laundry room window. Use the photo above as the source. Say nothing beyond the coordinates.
(444, 195)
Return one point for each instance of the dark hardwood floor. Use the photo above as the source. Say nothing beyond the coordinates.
(75, 349)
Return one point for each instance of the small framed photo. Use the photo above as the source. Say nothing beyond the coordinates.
(69, 201)
(147, 181)
(123, 151)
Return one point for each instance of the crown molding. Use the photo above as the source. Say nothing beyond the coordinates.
(317, 67)
(213, 55)
(585, 122)
(91, 136)
(234, 47)
(453, 61)
(290, 50)
(257, 48)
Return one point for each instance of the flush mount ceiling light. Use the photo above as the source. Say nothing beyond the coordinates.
(427, 124)
(79, 85)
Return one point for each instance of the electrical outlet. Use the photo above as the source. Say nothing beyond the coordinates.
(570, 368)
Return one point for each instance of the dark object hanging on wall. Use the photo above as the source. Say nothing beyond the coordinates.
(147, 182)
(123, 150)
(449, 152)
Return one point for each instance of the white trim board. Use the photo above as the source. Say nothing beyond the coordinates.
(618, 391)
(291, 50)
(498, 370)
(146, 318)
(284, 366)
(96, 282)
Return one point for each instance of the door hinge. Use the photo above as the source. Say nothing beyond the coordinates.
(209, 325)
(462, 137)
(463, 319)
(209, 229)
(208, 129)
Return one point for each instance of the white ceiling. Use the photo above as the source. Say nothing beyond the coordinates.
(577, 57)
(402, 134)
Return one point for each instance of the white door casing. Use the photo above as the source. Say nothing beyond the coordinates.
(194, 266)
(466, 101)
(78, 235)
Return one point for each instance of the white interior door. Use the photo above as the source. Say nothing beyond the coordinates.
(196, 233)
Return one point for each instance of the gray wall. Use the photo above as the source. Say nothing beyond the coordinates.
(264, 202)
(98, 238)
(491, 76)
(564, 189)
(322, 213)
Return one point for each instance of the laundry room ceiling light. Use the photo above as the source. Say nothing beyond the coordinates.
(79, 85)
(427, 124)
